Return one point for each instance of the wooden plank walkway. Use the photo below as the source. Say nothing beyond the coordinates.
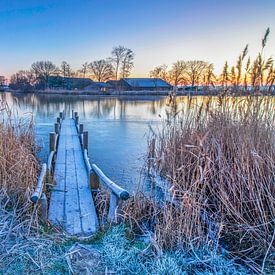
(71, 203)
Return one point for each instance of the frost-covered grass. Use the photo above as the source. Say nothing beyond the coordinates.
(124, 255)
(114, 251)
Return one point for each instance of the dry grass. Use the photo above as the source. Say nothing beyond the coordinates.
(18, 175)
(219, 158)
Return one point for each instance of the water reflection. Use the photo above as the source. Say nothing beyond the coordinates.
(117, 127)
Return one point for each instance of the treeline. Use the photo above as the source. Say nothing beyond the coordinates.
(256, 73)
(246, 72)
(118, 65)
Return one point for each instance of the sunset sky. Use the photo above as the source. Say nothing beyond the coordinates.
(157, 31)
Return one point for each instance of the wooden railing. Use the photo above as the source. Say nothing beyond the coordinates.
(97, 177)
(38, 196)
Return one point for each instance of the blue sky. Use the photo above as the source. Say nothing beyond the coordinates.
(158, 31)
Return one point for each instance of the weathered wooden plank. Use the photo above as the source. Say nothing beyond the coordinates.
(71, 202)
(87, 209)
(56, 209)
(72, 211)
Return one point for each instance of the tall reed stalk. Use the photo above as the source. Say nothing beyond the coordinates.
(219, 158)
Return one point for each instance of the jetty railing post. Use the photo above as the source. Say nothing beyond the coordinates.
(77, 120)
(94, 181)
(81, 128)
(85, 140)
(75, 114)
(72, 113)
(58, 120)
(57, 128)
(112, 217)
(61, 115)
(52, 142)
(44, 208)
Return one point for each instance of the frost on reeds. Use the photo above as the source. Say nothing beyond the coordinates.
(219, 159)
(18, 173)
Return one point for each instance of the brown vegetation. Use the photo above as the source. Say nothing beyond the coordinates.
(219, 159)
(18, 172)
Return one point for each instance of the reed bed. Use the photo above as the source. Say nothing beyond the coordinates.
(219, 160)
(18, 175)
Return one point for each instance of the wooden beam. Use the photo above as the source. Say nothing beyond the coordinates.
(50, 161)
(40, 183)
(117, 190)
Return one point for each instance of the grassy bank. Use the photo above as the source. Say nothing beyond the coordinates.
(219, 160)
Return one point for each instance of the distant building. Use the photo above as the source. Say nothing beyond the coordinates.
(98, 86)
(114, 84)
(137, 84)
(69, 83)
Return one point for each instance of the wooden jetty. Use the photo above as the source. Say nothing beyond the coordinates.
(71, 204)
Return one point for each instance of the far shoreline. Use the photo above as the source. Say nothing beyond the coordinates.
(113, 93)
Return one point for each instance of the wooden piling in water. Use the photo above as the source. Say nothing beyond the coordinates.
(52, 142)
(85, 140)
(58, 120)
(77, 120)
(57, 128)
(81, 128)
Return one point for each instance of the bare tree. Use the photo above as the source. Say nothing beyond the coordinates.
(66, 70)
(122, 60)
(195, 71)
(2, 80)
(22, 80)
(43, 70)
(117, 57)
(102, 70)
(160, 72)
(177, 74)
(127, 63)
(84, 69)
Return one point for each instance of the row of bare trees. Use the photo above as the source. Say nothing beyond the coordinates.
(119, 65)
(194, 72)
(257, 73)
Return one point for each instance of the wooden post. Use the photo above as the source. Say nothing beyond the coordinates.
(81, 128)
(112, 208)
(58, 120)
(44, 208)
(52, 141)
(75, 114)
(61, 115)
(72, 113)
(85, 140)
(94, 181)
(57, 128)
(77, 120)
